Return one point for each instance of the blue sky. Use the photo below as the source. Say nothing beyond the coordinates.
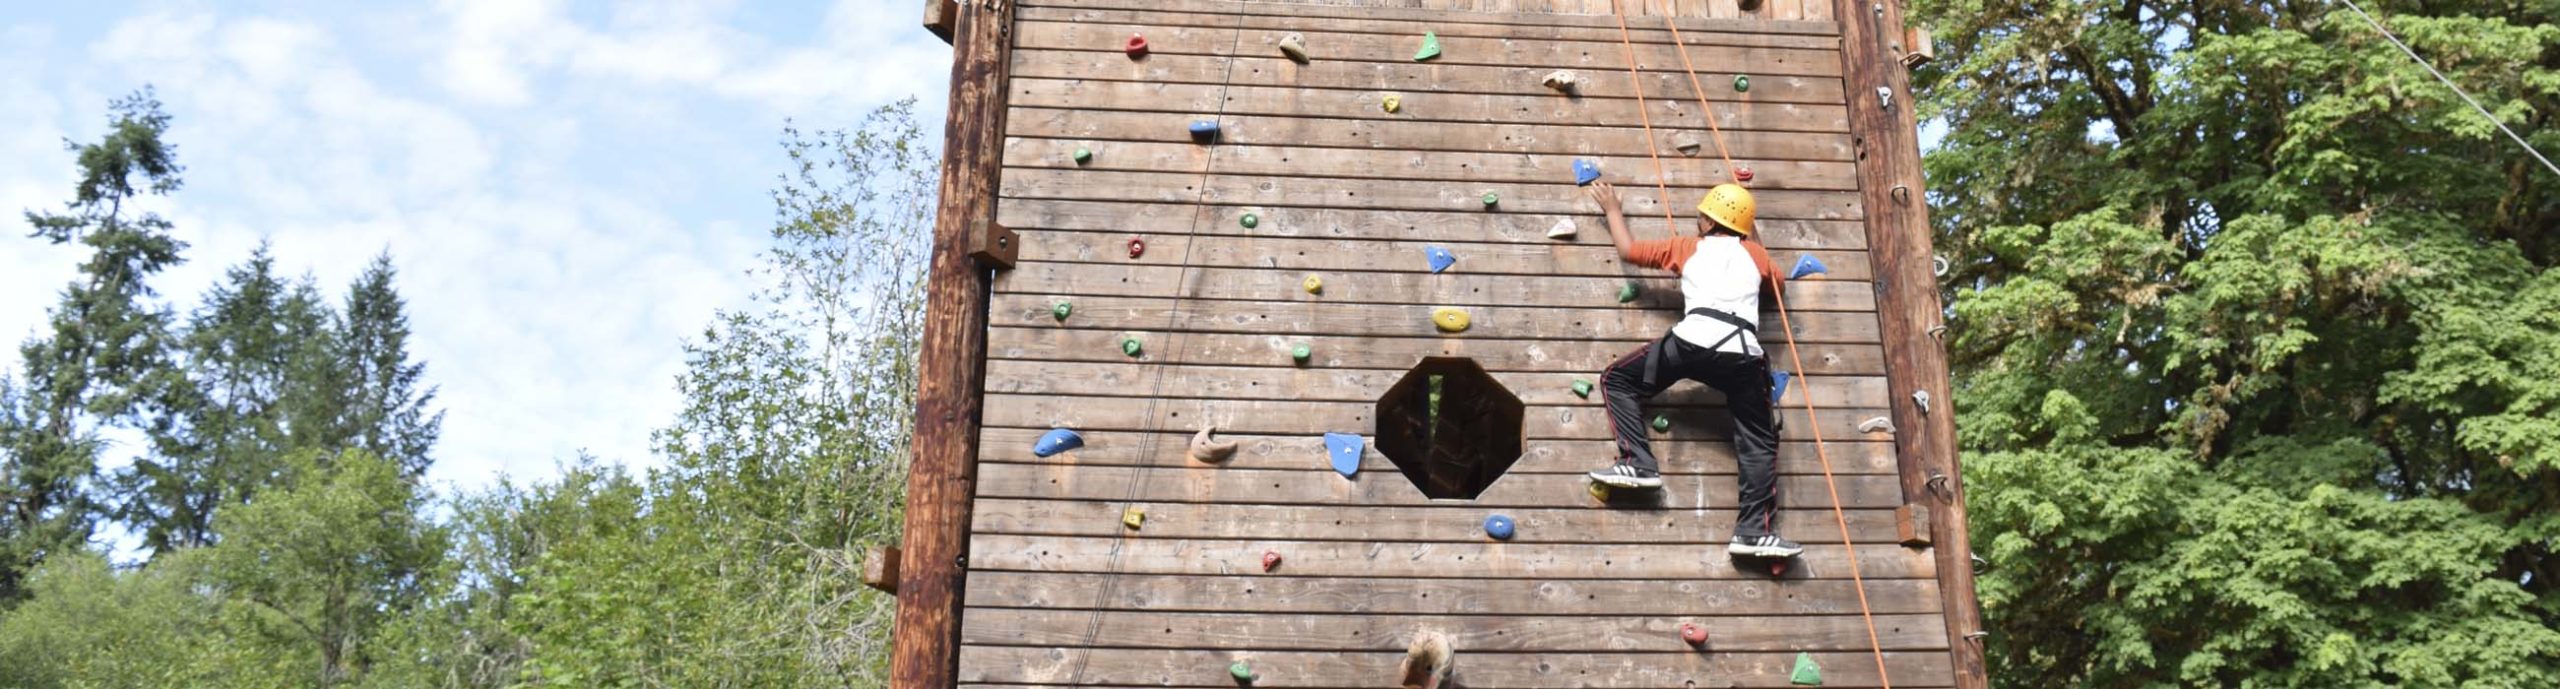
(568, 189)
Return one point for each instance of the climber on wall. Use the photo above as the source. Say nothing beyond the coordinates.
(1722, 271)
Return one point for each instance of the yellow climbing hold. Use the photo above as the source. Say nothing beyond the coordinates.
(1133, 516)
(1313, 284)
(1391, 102)
(1449, 319)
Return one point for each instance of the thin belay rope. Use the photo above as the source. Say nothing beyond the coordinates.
(1813, 418)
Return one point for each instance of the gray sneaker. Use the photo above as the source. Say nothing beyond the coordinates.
(1624, 476)
(1763, 546)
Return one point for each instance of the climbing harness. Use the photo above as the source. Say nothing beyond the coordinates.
(1804, 664)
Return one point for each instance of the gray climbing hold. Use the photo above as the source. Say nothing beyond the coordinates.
(1921, 397)
(1877, 424)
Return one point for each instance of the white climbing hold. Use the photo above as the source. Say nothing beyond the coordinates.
(1205, 450)
(1687, 142)
(1921, 397)
(1562, 80)
(1294, 46)
(1563, 229)
(1877, 424)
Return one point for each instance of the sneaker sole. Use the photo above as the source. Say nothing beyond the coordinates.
(1758, 551)
(1628, 482)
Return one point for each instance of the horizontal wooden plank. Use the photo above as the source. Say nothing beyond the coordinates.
(1454, 523)
(1460, 284)
(1312, 419)
(1317, 192)
(1149, 318)
(1327, 47)
(1596, 15)
(1381, 164)
(1864, 454)
(1258, 592)
(1552, 356)
(1448, 137)
(1439, 560)
(1641, 31)
(1737, 115)
(1327, 384)
(1182, 668)
(1413, 80)
(1326, 254)
(1412, 226)
(1320, 486)
(1267, 632)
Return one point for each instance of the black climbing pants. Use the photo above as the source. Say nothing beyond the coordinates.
(1744, 380)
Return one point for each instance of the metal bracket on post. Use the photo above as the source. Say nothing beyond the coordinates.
(994, 246)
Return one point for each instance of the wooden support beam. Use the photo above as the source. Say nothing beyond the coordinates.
(1898, 237)
(880, 568)
(1911, 524)
(937, 17)
(951, 371)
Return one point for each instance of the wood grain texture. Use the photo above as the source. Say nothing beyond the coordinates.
(1427, 560)
(1186, 668)
(1259, 592)
(1327, 47)
(1747, 147)
(1332, 384)
(1267, 632)
(1413, 80)
(1034, 183)
(1319, 255)
(1551, 356)
(1871, 454)
(1312, 419)
(1459, 285)
(1144, 316)
(1374, 164)
(1639, 31)
(1456, 523)
(1593, 13)
(1514, 228)
(1731, 115)
(1318, 485)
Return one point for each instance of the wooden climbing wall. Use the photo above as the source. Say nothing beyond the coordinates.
(1059, 591)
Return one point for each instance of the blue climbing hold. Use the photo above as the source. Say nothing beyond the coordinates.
(1806, 264)
(1585, 171)
(1345, 449)
(1778, 385)
(1441, 259)
(1204, 131)
(1499, 527)
(1055, 441)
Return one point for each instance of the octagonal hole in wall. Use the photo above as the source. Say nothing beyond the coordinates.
(1450, 428)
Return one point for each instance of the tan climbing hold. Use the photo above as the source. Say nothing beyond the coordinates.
(1563, 229)
(1427, 662)
(1206, 450)
(1294, 46)
(1449, 319)
(1687, 143)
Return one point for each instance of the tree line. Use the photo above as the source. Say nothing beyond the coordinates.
(259, 454)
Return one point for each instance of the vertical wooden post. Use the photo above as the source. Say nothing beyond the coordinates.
(951, 370)
(1887, 135)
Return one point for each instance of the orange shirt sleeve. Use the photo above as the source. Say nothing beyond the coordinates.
(1769, 281)
(1663, 254)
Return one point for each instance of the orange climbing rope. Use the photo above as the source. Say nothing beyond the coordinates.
(1813, 418)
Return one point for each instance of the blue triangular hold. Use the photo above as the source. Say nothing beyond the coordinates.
(1055, 441)
(1441, 259)
(1345, 449)
(1778, 385)
(1806, 264)
(1585, 171)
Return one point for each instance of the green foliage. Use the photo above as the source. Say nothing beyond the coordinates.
(2255, 346)
(323, 560)
(86, 625)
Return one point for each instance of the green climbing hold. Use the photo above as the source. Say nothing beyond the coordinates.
(1626, 292)
(1130, 346)
(1490, 198)
(1301, 353)
(1240, 671)
(1084, 155)
(1741, 83)
(1430, 47)
(1582, 389)
(1250, 220)
(1062, 310)
(1661, 423)
(1806, 672)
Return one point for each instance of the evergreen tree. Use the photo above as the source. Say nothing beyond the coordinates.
(104, 346)
(384, 410)
(2257, 340)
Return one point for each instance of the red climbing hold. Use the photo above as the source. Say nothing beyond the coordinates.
(1136, 46)
(1694, 634)
(1741, 173)
(1270, 559)
(1137, 247)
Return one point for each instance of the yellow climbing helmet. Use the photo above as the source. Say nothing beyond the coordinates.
(1729, 205)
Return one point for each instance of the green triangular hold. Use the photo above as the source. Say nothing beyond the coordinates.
(1130, 346)
(1806, 672)
(1062, 310)
(1582, 389)
(1661, 423)
(1430, 47)
(1626, 292)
